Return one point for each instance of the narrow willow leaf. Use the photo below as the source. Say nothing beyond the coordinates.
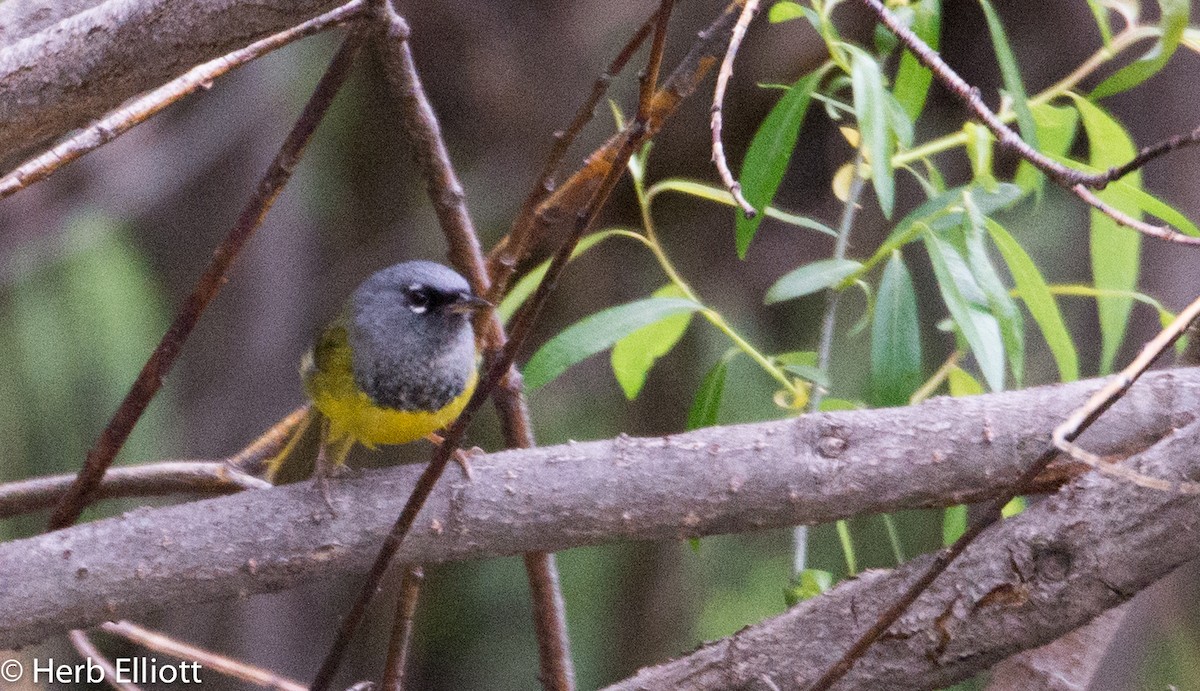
(722, 196)
(895, 337)
(969, 309)
(634, 355)
(979, 152)
(1175, 17)
(870, 108)
(810, 279)
(1101, 15)
(1011, 74)
(954, 524)
(961, 383)
(770, 150)
(707, 403)
(1115, 251)
(597, 332)
(806, 585)
(785, 11)
(1000, 302)
(912, 78)
(940, 212)
(1131, 195)
(1055, 132)
(1014, 507)
(522, 289)
(1035, 292)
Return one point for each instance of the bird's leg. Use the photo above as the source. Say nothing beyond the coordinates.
(331, 461)
(460, 455)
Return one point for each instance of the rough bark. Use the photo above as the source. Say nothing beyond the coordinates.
(1024, 583)
(77, 68)
(811, 469)
(1067, 664)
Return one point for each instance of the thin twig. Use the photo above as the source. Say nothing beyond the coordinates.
(1062, 437)
(504, 258)
(150, 379)
(1113, 390)
(648, 80)
(496, 371)
(200, 77)
(1064, 175)
(1161, 232)
(446, 191)
(402, 629)
(206, 659)
(1153, 151)
(150, 480)
(718, 148)
(825, 344)
(88, 651)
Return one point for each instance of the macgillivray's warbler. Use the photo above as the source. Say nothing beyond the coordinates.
(397, 363)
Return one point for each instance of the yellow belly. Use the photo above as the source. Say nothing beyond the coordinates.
(352, 414)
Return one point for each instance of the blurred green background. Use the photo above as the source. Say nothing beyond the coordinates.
(93, 263)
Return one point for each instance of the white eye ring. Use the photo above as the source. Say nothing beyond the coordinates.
(418, 299)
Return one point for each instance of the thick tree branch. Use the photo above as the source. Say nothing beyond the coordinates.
(88, 63)
(812, 469)
(1024, 583)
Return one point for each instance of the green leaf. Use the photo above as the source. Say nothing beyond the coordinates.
(968, 307)
(1055, 132)
(1115, 251)
(1000, 302)
(1035, 292)
(597, 332)
(961, 383)
(1133, 196)
(722, 196)
(806, 585)
(809, 373)
(1011, 74)
(708, 398)
(912, 78)
(1101, 16)
(954, 524)
(811, 278)
(942, 211)
(522, 289)
(1175, 17)
(895, 337)
(1014, 507)
(770, 150)
(785, 11)
(871, 110)
(979, 152)
(634, 355)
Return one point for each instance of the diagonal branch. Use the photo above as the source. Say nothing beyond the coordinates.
(87, 64)
(150, 379)
(1027, 582)
(144, 107)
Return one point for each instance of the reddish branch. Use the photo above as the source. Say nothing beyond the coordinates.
(150, 379)
(449, 200)
(402, 629)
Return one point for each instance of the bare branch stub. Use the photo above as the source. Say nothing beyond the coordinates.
(125, 118)
(402, 629)
(726, 71)
(150, 379)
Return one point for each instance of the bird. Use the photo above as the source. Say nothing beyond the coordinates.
(397, 363)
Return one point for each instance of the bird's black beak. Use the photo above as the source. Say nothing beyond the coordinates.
(466, 302)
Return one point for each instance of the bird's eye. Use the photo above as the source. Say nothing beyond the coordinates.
(418, 298)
